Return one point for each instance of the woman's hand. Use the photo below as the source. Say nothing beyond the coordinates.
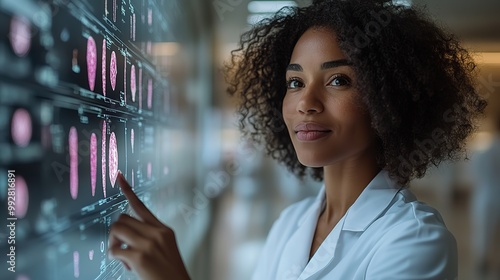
(150, 246)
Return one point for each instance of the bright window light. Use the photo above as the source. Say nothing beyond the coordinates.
(406, 3)
(487, 57)
(255, 18)
(256, 7)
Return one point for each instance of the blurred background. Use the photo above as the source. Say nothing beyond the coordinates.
(91, 87)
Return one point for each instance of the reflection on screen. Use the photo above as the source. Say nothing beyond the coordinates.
(71, 116)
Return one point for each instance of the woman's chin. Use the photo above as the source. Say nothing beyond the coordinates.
(314, 163)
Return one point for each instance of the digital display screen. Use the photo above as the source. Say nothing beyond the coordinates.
(81, 97)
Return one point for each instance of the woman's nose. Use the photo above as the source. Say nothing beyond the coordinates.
(310, 102)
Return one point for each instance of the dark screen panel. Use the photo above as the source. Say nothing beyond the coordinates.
(81, 97)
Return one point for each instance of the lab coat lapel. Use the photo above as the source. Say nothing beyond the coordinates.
(296, 252)
(325, 253)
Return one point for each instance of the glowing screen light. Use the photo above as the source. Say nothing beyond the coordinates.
(132, 139)
(22, 197)
(91, 62)
(103, 158)
(112, 70)
(125, 77)
(133, 86)
(140, 88)
(76, 264)
(150, 94)
(73, 162)
(20, 36)
(103, 62)
(93, 162)
(113, 159)
(21, 127)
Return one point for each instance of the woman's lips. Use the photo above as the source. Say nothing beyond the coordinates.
(311, 131)
(311, 135)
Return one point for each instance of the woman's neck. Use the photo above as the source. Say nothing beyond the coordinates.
(344, 182)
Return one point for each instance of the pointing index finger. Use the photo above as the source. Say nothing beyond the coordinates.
(139, 208)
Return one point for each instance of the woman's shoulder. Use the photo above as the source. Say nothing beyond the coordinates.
(411, 222)
(412, 232)
(406, 208)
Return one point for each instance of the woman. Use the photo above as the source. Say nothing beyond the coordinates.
(371, 94)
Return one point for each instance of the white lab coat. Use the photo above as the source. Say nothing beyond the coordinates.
(386, 234)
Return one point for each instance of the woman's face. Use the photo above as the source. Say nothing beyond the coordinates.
(322, 108)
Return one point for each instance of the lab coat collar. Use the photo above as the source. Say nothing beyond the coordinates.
(318, 202)
(374, 199)
(371, 203)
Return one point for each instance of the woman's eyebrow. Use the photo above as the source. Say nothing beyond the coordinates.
(335, 63)
(294, 67)
(324, 66)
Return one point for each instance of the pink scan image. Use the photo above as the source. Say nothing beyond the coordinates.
(103, 62)
(21, 127)
(91, 62)
(103, 158)
(73, 162)
(20, 35)
(93, 162)
(113, 159)
(113, 70)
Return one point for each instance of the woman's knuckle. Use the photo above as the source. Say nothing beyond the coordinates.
(142, 258)
(149, 245)
(166, 234)
(122, 217)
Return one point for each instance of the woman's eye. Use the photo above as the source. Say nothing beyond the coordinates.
(340, 81)
(294, 83)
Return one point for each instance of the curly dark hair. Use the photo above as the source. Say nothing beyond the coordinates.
(417, 82)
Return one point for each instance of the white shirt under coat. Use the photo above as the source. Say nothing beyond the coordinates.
(386, 234)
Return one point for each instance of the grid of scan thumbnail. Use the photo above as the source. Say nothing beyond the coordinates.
(80, 98)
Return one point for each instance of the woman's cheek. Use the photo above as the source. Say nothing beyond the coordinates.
(287, 110)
